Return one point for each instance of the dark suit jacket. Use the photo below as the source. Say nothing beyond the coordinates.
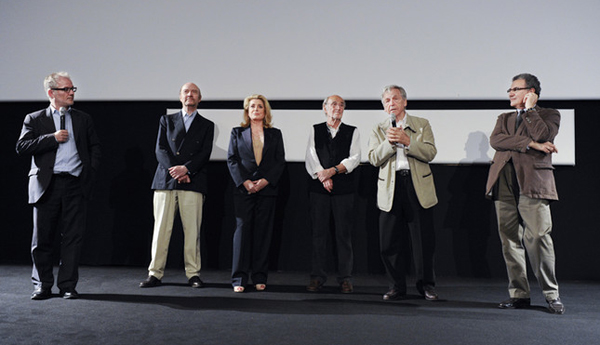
(176, 147)
(242, 164)
(533, 168)
(37, 139)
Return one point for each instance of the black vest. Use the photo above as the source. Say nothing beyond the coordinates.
(331, 151)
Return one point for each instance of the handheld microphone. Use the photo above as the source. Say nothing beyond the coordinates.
(62, 112)
(393, 118)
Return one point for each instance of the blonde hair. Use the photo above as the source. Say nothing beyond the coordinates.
(268, 117)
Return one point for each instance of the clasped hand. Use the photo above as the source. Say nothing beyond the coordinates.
(180, 173)
(255, 186)
(397, 135)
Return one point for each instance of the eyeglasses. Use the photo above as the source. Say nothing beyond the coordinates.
(65, 89)
(515, 89)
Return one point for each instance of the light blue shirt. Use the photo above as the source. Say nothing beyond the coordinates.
(67, 157)
(188, 119)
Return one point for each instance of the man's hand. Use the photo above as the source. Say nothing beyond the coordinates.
(178, 171)
(61, 135)
(530, 100)
(325, 174)
(328, 185)
(185, 179)
(396, 135)
(546, 147)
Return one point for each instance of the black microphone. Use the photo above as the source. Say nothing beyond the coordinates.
(393, 117)
(62, 112)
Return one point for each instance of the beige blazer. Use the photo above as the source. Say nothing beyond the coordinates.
(422, 150)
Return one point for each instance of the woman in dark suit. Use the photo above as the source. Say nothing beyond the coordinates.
(256, 159)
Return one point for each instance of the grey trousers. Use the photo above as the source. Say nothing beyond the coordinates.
(525, 224)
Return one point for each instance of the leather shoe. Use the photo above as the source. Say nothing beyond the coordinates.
(41, 293)
(195, 282)
(151, 281)
(393, 294)
(556, 306)
(515, 303)
(314, 285)
(346, 287)
(430, 293)
(70, 294)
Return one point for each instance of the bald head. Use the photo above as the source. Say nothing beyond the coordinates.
(190, 96)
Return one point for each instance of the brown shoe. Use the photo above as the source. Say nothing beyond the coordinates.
(314, 285)
(346, 287)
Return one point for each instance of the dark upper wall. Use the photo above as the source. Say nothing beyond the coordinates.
(120, 216)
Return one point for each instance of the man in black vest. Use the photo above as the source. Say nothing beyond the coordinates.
(332, 154)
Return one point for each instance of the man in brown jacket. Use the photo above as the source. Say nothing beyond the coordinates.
(521, 183)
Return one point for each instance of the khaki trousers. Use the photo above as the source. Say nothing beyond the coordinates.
(525, 224)
(166, 203)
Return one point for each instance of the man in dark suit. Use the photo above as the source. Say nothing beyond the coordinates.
(65, 154)
(183, 149)
(332, 154)
(401, 147)
(521, 183)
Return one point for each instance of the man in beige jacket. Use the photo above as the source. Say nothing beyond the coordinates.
(402, 147)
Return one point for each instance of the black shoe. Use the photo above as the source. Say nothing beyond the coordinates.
(314, 285)
(556, 306)
(70, 294)
(430, 293)
(515, 303)
(346, 287)
(151, 281)
(195, 282)
(41, 293)
(393, 294)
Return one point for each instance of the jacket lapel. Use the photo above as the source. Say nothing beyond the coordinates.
(247, 138)
(48, 121)
(179, 129)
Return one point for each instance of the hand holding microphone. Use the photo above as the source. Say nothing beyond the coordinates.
(62, 135)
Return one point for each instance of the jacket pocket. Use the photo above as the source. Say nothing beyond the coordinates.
(543, 165)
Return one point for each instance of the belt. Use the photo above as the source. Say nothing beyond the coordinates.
(65, 174)
(403, 172)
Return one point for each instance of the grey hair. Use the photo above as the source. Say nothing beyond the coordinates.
(394, 87)
(51, 81)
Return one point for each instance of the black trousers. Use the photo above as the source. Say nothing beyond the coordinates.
(407, 214)
(254, 215)
(60, 210)
(322, 207)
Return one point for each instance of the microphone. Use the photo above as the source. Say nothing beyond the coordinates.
(393, 117)
(62, 112)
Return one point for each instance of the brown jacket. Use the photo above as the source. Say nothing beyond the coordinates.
(533, 168)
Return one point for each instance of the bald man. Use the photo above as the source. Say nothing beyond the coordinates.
(183, 149)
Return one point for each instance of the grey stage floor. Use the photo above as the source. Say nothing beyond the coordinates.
(113, 310)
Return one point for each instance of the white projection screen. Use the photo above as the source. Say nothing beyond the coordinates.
(302, 50)
(283, 49)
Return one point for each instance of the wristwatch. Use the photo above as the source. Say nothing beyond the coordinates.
(337, 171)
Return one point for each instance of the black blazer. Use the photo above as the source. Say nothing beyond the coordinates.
(37, 139)
(242, 164)
(176, 147)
